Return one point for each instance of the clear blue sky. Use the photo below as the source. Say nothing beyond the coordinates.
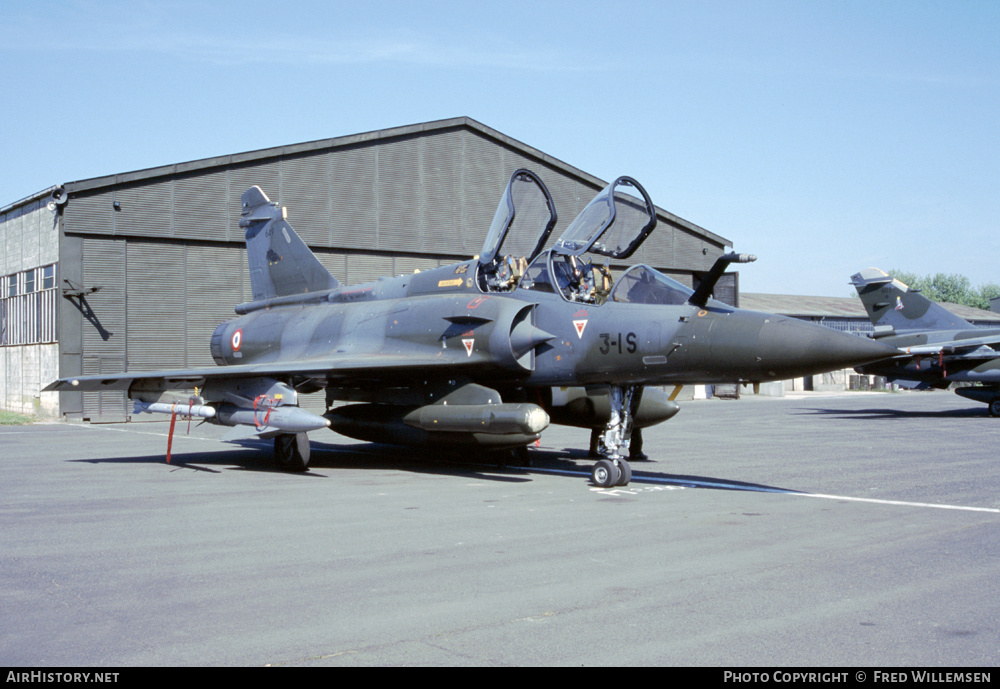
(825, 137)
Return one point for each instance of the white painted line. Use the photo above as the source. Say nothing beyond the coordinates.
(757, 489)
(964, 508)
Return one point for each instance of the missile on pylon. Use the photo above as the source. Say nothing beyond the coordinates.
(287, 419)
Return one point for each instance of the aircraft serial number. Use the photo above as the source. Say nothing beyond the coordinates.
(621, 344)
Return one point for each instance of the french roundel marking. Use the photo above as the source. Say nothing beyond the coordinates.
(237, 340)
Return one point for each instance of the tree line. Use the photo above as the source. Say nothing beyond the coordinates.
(953, 288)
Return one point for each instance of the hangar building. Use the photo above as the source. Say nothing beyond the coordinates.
(134, 271)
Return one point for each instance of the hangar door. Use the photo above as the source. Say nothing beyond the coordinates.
(156, 309)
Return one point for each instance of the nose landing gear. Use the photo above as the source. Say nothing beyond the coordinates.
(614, 470)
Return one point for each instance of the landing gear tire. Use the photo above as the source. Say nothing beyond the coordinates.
(291, 451)
(626, 472)
(994, 406)
(605, 474)
(520, 457)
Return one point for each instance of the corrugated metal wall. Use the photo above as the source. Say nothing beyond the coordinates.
(104, 322)
(167, 251)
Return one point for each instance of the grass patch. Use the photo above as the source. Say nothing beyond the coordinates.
(9, 418)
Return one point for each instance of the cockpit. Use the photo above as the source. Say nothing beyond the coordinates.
(584, 282)
(522, 223)
(613, 225)
(577, 279)
(577, 266)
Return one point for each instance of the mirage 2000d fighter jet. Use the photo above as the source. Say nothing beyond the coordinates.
(467, 355)
(937, 348)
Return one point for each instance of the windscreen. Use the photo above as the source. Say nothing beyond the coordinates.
(643, 285)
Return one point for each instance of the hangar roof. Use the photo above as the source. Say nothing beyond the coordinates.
(368, 137)
(840, 307)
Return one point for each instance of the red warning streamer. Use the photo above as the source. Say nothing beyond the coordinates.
(265, 402)
(170, 436)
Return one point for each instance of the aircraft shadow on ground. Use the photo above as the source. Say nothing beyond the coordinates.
(646, 472)
(254, 455)
(893, 413)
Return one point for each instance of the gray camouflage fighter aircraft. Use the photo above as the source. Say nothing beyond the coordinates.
(468, 355)
(937, 347)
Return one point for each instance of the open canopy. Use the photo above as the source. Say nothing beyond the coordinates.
(615, 223)
(523, 220)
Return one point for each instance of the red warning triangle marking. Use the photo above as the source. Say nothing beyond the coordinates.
(580, 325)
(468, 345)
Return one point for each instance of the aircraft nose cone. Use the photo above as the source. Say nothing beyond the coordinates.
(788, 348)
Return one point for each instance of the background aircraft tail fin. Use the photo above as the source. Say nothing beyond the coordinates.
(894, 308)
(280, 262)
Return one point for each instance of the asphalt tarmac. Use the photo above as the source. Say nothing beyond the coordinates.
(858, 529)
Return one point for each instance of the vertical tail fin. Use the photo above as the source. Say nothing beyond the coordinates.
(896, 309)
(280, 262)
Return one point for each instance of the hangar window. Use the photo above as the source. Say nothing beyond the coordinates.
(28, 307)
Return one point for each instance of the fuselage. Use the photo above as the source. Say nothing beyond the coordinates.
(535, 337)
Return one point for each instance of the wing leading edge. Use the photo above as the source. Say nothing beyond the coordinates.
(343, 368)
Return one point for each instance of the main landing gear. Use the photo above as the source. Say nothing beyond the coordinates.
(614, 470)
(291, 451)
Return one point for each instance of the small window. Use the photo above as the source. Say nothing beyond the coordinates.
(12, 286)
(29, 281)
(48, 277)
